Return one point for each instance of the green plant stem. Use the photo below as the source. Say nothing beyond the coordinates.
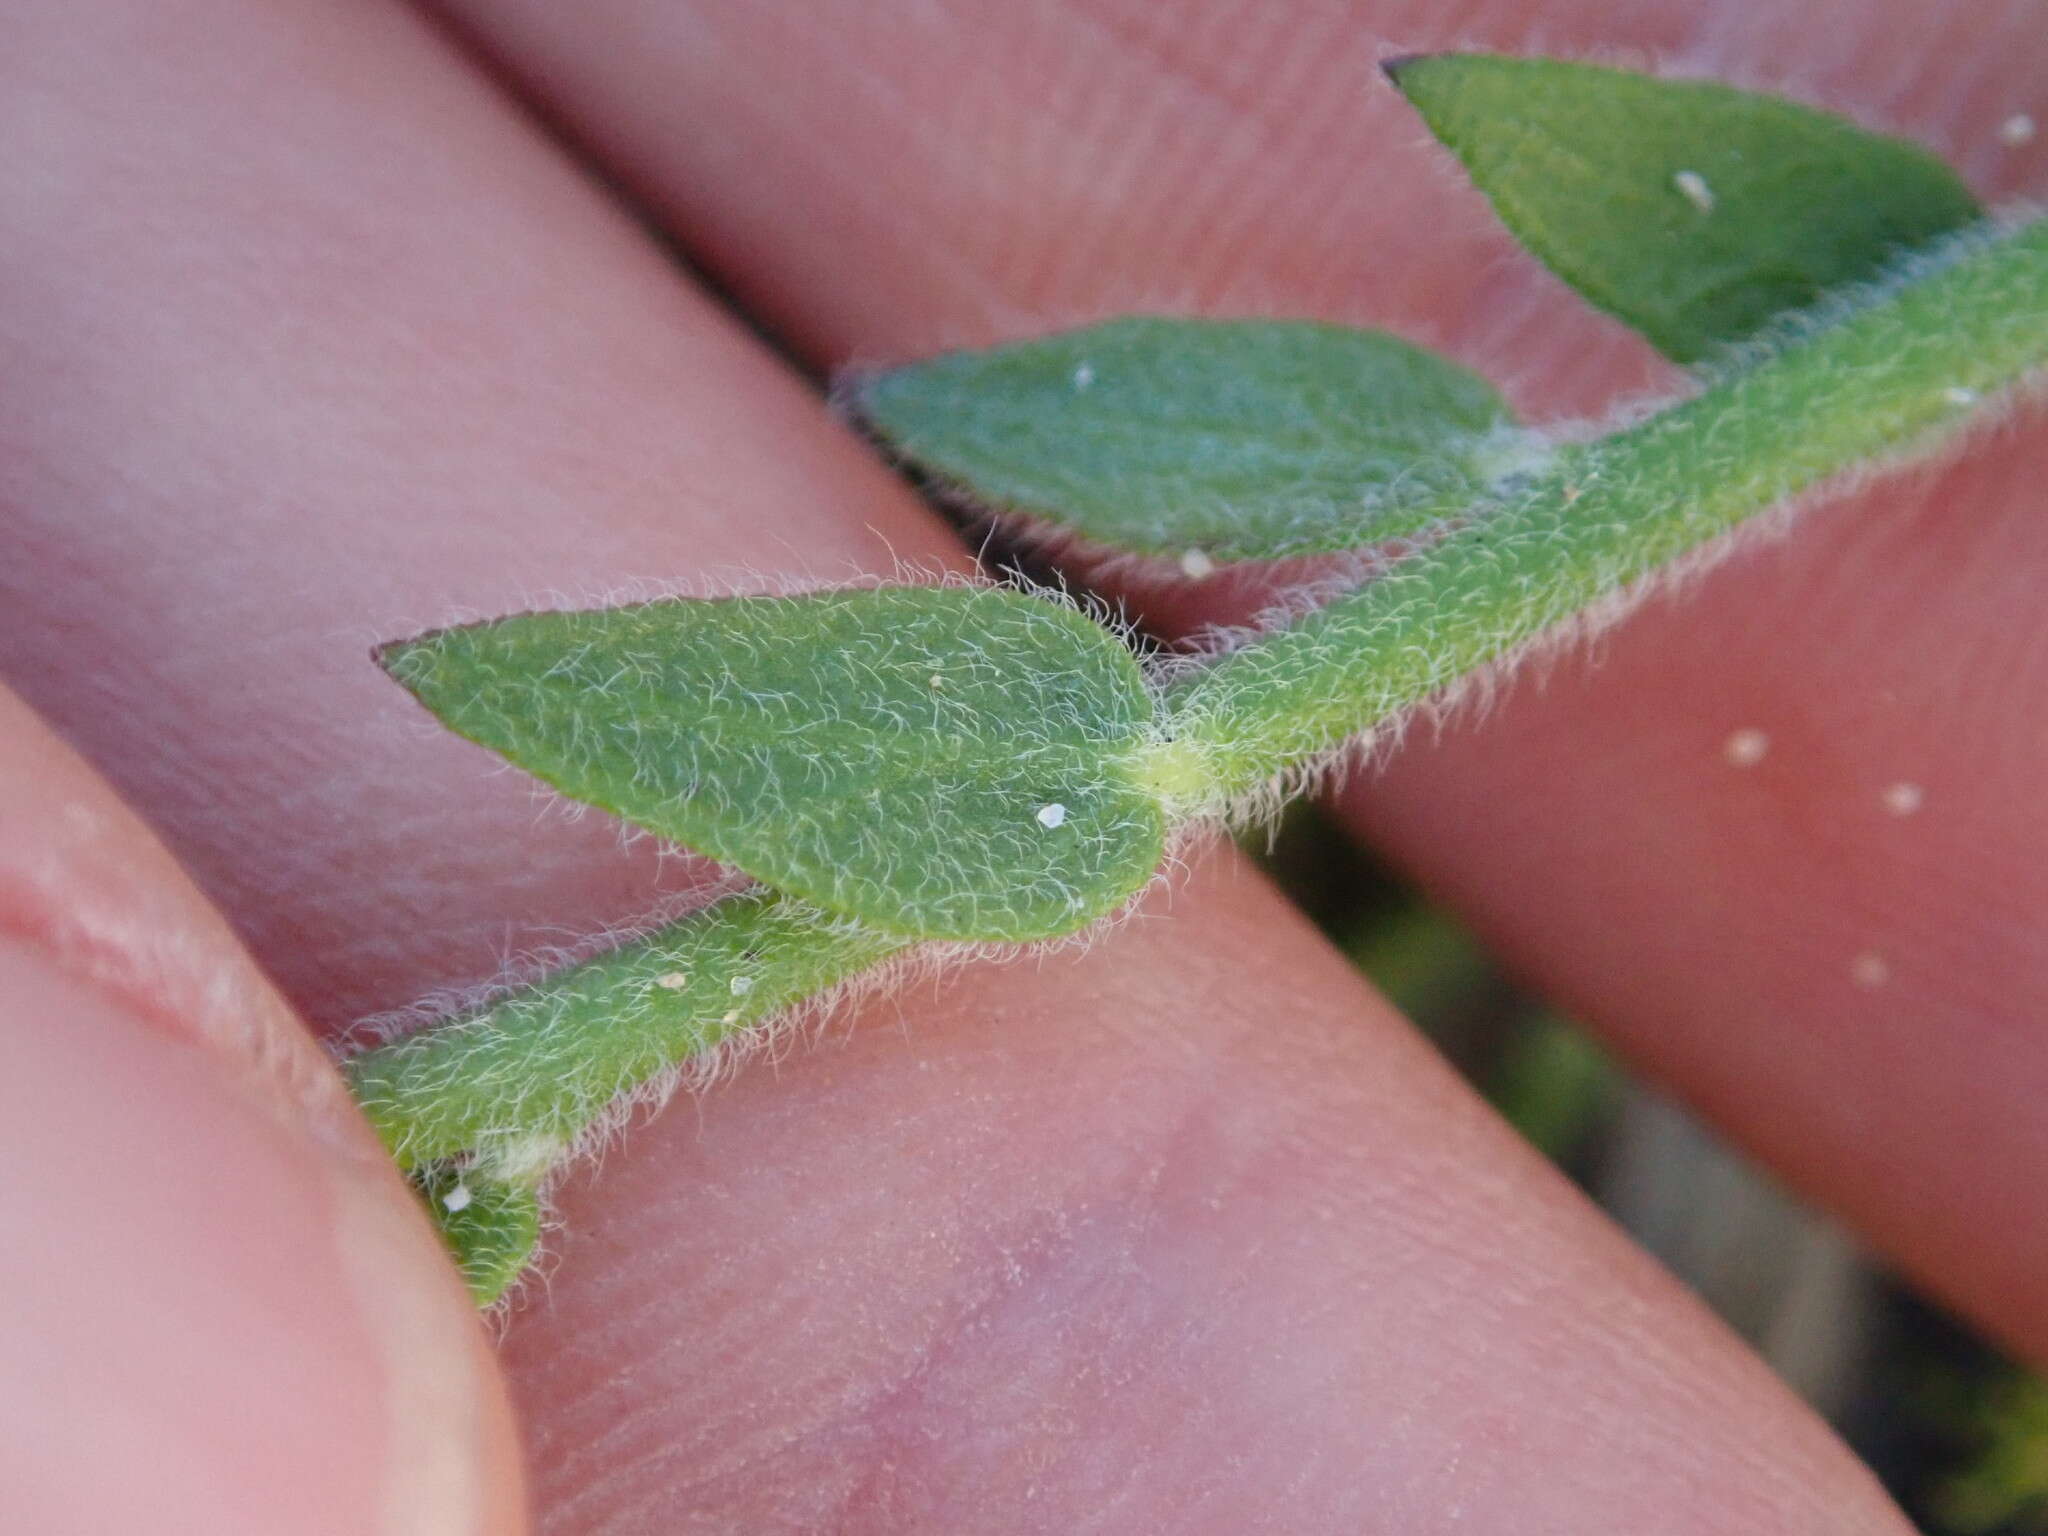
(493, 1099)
(509, 1086)
(1898, 370)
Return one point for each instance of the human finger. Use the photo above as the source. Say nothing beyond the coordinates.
(225, 1311)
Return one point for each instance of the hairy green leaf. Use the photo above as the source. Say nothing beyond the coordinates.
(1204, 439)
(491, 1228)
(1691, 211)
(936, 762)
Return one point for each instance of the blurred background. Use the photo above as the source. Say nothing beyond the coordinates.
(1956, 1431)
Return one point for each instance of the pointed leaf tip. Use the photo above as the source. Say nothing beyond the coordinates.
(885, 753)
(492, 1229)
(1691, 211)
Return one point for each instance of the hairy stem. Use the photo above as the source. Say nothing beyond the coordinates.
(1888, 371)
(510, 1085)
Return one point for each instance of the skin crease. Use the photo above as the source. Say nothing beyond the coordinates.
(1183, 1232)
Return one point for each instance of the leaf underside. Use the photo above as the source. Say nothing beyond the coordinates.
(1687, 209)
(1241, 439)
(937, 762)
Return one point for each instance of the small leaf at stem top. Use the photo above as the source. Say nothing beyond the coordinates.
(491, 1228)
(1203, 440)
(892, 754)
(1691, 211)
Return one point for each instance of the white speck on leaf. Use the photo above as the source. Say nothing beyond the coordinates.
(1083, 377)
(1692, 186)
(457, 1199)
(742, 985)
(2016, 131)
(1956, 394)
(1050, 816)
(1196, 564)
(1869, 970)
(674, 981)
(1903, 799)
(1746, 748)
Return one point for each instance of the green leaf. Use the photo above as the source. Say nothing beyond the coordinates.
(492, 1229)
(936, 762)
(1203, 439)
(1691, 211)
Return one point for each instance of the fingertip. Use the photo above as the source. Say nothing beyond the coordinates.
(216, 1283)
(255, 1332)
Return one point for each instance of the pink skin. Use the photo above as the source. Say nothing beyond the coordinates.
(224, 1311)
(313, 340)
